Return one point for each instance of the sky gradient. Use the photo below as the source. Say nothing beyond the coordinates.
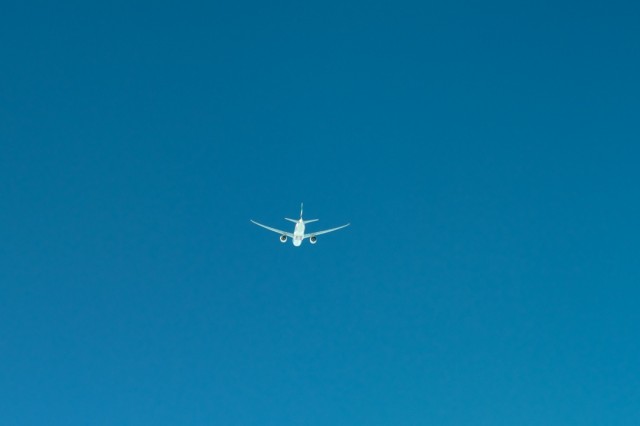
(486, 155)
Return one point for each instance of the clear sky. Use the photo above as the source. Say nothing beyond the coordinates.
(486, 153)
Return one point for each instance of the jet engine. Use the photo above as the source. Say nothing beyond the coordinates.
(283, 238)
(313, 239)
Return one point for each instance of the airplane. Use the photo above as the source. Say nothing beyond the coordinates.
(298, 235)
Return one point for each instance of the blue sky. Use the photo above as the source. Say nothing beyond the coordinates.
(486, 155)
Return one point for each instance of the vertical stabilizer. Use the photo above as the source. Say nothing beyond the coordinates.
(301, 208)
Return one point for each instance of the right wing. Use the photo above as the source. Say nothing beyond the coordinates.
(277, 231)
(326, 231)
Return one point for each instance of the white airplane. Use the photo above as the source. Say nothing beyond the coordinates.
(298, 234)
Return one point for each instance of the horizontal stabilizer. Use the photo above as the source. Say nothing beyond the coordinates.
(310, 220)
(291, 220)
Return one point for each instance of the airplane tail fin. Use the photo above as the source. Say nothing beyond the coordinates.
(304, 221)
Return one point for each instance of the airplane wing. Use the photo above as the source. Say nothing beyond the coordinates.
(277, 231)
(311, 234)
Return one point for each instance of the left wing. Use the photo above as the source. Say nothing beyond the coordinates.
(326, 231)
(288, 234)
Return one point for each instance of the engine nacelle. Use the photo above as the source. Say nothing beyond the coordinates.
(283, 238)
(313, 239)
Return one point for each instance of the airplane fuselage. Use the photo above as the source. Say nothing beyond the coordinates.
(298, 233)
